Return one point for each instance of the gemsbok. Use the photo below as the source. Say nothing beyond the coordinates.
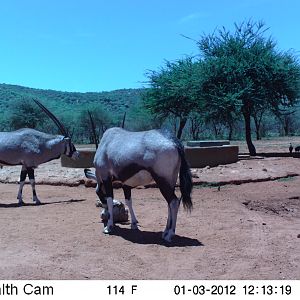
(139, 158)
(30, 148)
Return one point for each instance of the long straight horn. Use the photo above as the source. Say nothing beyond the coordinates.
(93, 129)
(123, 122)
(53, 118)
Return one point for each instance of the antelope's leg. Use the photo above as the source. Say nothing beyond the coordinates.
(128, 202)
(169, 223)
(168, 191)
(173, 211)
(32, 182)
(101, 201)
(109, 198)
(23, 176)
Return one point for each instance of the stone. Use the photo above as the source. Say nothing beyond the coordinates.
(120, 213)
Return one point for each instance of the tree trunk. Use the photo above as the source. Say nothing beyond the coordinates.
(230, 126)
(286, 126)
(250, 145)
(173, 122)
(182, 123)
(194, 129)
(257, 123)
(215, 130)
(257, 134)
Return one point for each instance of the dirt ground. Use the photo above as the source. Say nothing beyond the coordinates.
(245, 225)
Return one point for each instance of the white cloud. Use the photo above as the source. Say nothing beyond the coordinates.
(192, 17)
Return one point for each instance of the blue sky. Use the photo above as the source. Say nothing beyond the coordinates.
(90, 45)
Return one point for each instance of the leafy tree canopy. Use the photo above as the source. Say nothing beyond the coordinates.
(174, 90)
(244, 71)
(25, 114)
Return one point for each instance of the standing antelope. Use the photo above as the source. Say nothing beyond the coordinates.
(138, 158)
(30, 148)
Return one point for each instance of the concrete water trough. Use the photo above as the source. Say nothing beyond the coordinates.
(211, 153)
(212, 143)
(198, 157)
(85, 159)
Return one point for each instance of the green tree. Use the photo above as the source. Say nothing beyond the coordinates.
(173, 91)
(287, 121)
(221, 113)
(25, 114)
(138, 118)
(102, 120)
(245, 69)
(196, 124)
(257, 115)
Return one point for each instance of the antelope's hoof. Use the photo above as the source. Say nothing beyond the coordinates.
(168, 235)
(134, 226)
(21, 203)
(37, 201)
(168, 239)
(107, 229)
(164, 234)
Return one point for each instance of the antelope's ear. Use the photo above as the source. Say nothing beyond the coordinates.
(55, 141)
(66, 138)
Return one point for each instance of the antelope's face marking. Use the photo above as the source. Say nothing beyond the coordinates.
(75, 155)
(70, 149)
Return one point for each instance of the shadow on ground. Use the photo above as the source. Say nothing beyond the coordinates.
(9, 205)
(149, 237)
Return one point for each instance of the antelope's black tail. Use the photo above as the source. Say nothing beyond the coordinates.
(185, 177)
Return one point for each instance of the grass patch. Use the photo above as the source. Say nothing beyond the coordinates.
(285, 179)
(212, 185)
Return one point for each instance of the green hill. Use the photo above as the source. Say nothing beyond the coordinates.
(109, 108)
(115, 101)
(68, 106)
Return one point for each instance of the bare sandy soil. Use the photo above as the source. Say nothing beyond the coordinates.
(245, 225)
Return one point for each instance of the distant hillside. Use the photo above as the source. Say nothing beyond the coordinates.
(61, 102)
